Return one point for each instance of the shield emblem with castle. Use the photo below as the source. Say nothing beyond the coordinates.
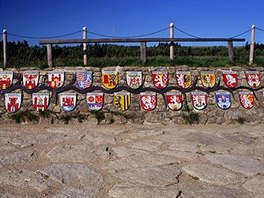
(246, 99)
(174, 100)
(253, 78)
(148, 100)
(160, 79)
(223, 100)
(208, 79)
(184, 79)
(84, 79)
(122, 100)
(199, 100)
(230, 78)
(6, 78)
(134, 79)
(13, 102)
(55, 79)
(109, 79)
(40, 101)
(68, 101)
(30, 79)
(95, 100)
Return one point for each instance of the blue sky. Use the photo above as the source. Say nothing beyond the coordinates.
(203, 18)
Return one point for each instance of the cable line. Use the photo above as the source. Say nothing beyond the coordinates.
(180, 30)
(260, 29)
(241, 33)
(44, 37)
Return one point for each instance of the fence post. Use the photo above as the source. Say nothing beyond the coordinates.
(172, 41)
(252, 43)
(49, 55)
(85, 62)
(230, 51)
(143, 52)
(4, 48)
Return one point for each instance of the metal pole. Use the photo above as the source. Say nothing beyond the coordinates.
(172, 42)
(252, 43)
(4, 48)
(85, 61)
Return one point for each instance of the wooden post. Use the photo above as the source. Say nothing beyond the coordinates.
(172, 41)
(4, 48)
(230, 51)
(143, 52)
(252, 43)
(49, 55)
(85, 62)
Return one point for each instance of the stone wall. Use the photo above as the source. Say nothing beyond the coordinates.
(135, 114)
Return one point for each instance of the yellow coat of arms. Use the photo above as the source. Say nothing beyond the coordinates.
(122, 100)
(109, 79)
(208, 79)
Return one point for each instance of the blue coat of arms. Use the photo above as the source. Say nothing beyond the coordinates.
(223, 100)
(84, 79)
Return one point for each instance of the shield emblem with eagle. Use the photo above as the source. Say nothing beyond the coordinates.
(246, 99)
(148, 100)
(174, 100)
(134, 79)
(30, 79)
(109, 79)
(253, 78)
(199, 100)
(208, 79)
(55, 79)
(122, 100)
(13, 102)
(160, 79)
(230, 78)
(184, 79)
(6, 78)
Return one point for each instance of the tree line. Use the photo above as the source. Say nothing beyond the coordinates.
(21, 54)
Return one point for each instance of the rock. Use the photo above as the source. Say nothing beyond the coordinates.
(147, 145)
(98, 139)
(180, 155)
(211, 174)
(126, 152)
(129, 190)
(152, 176)
(238, 163)
(24, 179)
(75, 192)
(255, 185)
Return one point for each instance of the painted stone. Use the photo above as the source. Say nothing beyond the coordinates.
(30, 79)
(223, 100)
(109, 79)
(13, 102)
(6, 78)
(122, 100)
(253, 78)
(68, 101)
(174, 100)
(208, 78)
(40, 101)
(134, 79)
(148, 100)
(95, 100)
(246, 99)
(84, 79)
(55, 79)
(184, 79)
(230, 78)
(199, 100)
(160, 79)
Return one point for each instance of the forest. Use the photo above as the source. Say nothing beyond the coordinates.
(21, 54)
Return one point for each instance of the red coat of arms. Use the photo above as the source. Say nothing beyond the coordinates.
(174, 100)
(160, 79)
(40, 101)
(12, 102)
(134, 79)
(55, 79)
(246, 99)
(30, 79)
(95, 100)
(199, 100)
(148, 100)
(230, 78)
(68, 101)
(253, 78)
(6, 78)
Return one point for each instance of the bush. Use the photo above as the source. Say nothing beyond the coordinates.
(191, 118)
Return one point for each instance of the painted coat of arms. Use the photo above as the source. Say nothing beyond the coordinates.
(208, 79)
(148, 100)
(230, 78)
(160, 79)
(223, 100)
(6, 78)
(95, 101)
(184, 79)
(68, 101)
(13, 102)
(40, 101)
(55, 79)
(246, 99)
(109, 79)
(84, 79)
(174, 100)
(253, 78)
(30, 79)
(134, 79)
(122, 100)
(199, 100)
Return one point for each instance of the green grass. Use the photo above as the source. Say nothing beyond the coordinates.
(191, 118)
(23, 116)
